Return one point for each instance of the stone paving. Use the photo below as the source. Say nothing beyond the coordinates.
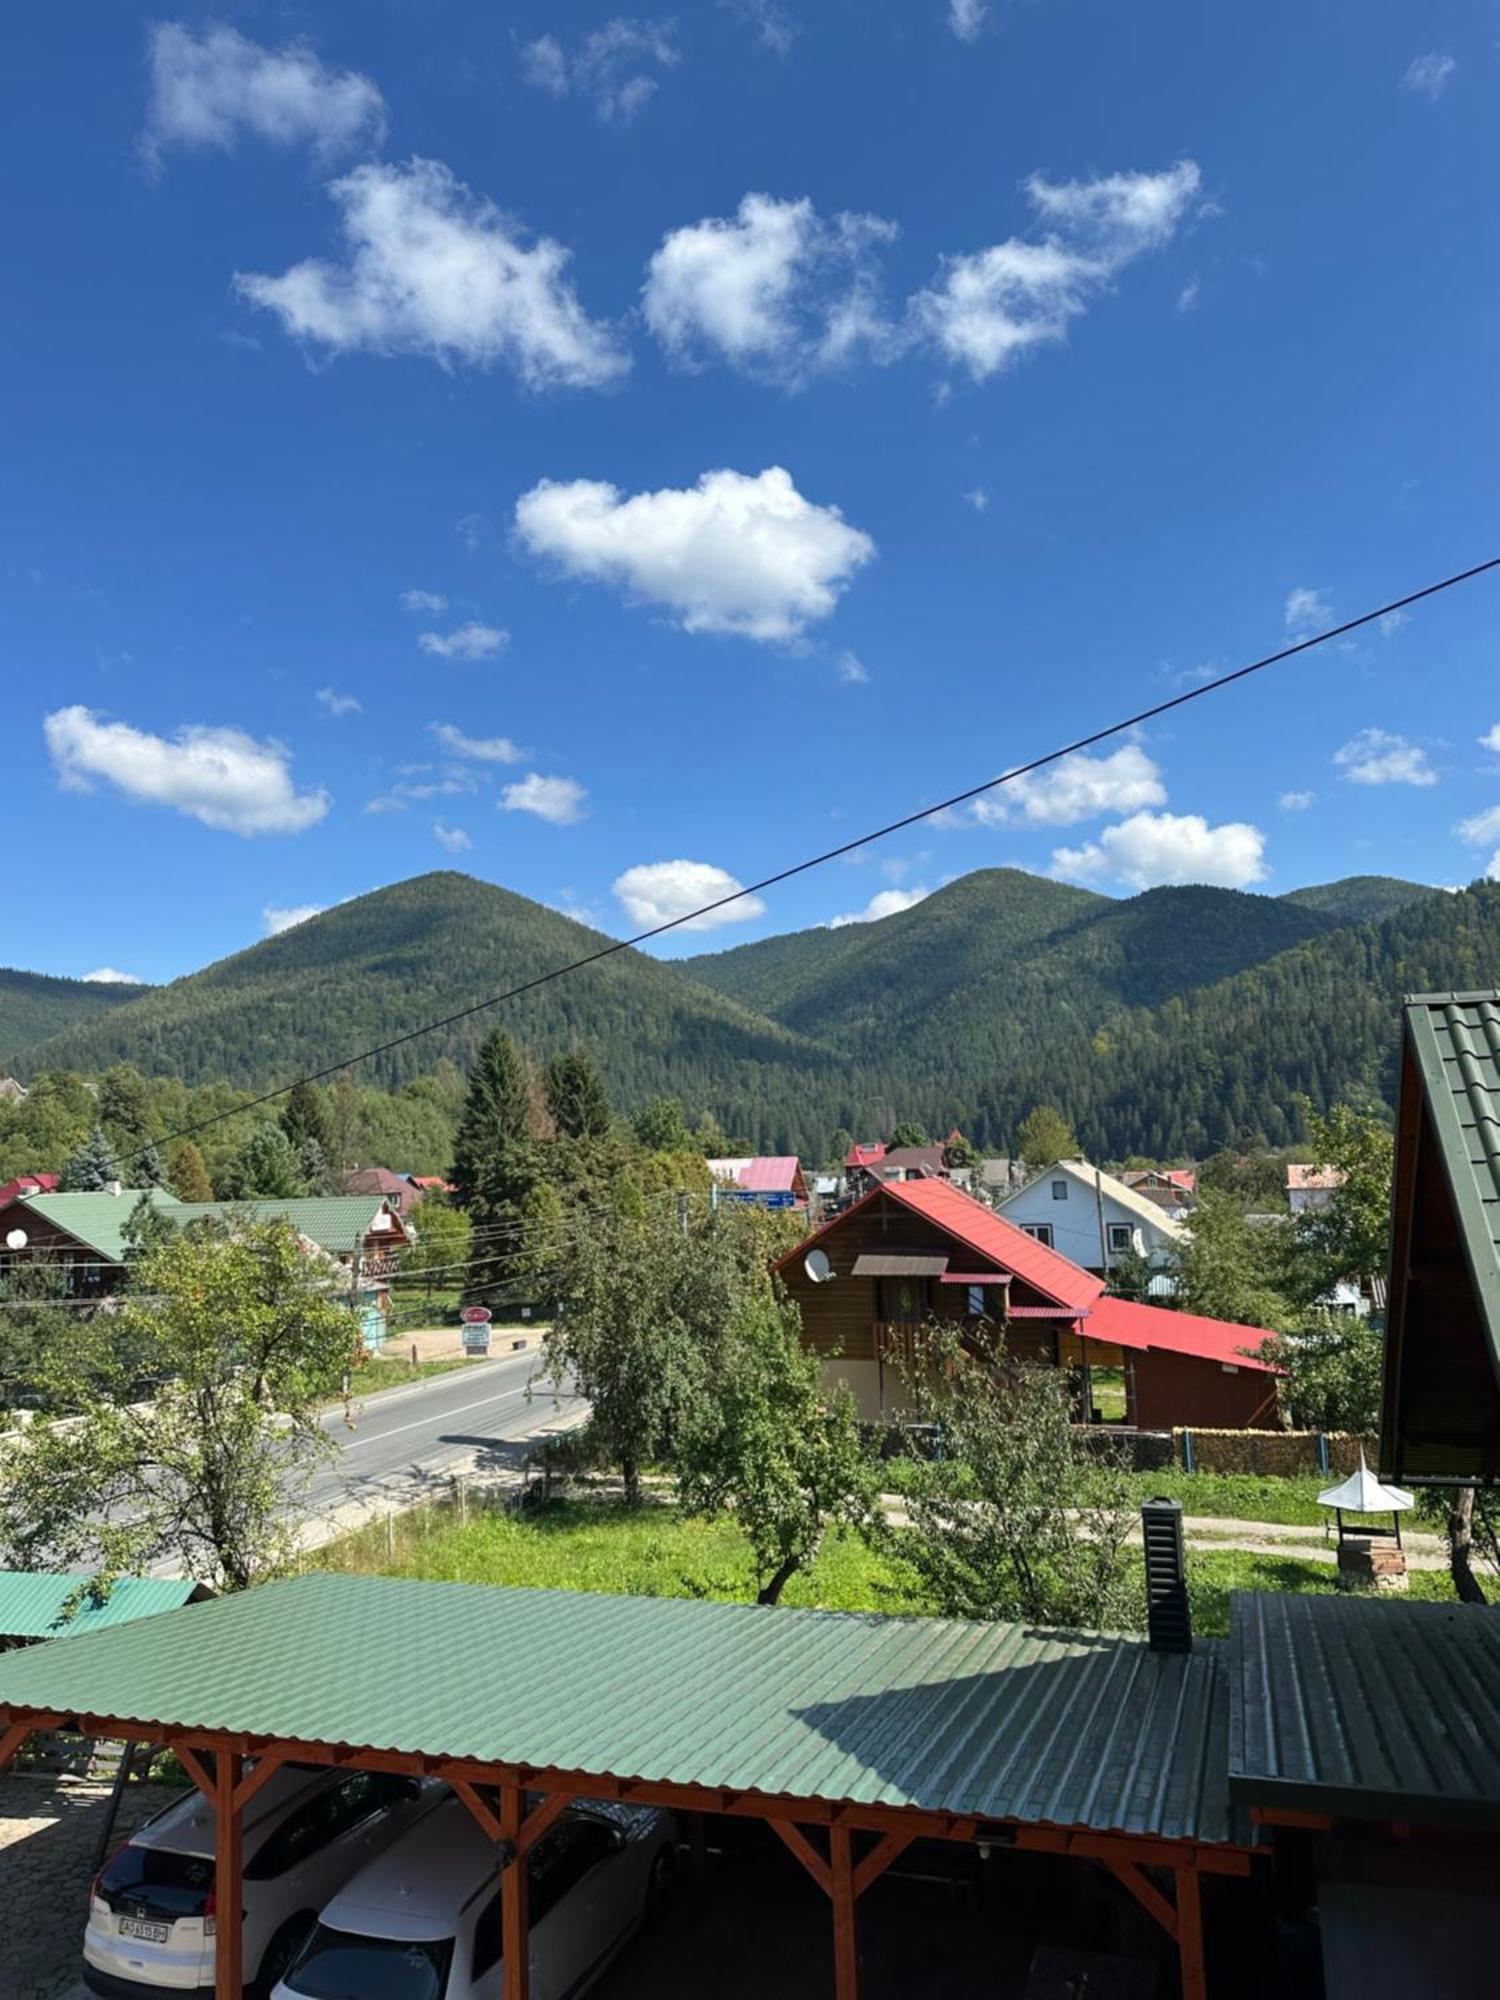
(49, 1829)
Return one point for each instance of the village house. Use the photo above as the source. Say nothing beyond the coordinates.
(1093, 1218)
(400, 1190)
(1311, 1187)
(912, 1251)
(1172, 1188)
(773, 1180)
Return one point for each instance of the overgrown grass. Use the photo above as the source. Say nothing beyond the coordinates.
(379, 1372)
(653, 1551)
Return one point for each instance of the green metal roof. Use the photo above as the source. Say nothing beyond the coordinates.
(1366, 1708)
(1455, 1038)
(997, 1721)
(338, 1222)
(96, 1220)
(33, 1602)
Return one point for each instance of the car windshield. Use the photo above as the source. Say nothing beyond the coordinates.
(337, 1965)
(155, 1882)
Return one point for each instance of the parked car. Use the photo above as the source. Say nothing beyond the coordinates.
(151, 1924)
(422, 1922)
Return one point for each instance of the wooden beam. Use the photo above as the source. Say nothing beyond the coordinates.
(541, 1816)
(11, 1742)
(229, 1946)
(1148, 1895)
(879, 1859)
(262, 1772)
(199, 1772)
(805, 1852)
(845, 1915)
(515, 1929)
(488, 1819)
(1190, 1935)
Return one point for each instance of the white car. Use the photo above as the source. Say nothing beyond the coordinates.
(151, 1927)
(423, 1921)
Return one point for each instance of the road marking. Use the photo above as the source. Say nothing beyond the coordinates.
(424, 1423)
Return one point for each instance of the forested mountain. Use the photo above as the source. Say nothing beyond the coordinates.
(33, 1005)
(1168, 1023)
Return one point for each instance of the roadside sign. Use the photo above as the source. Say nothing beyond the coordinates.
(476, 1339)
(475, 1315)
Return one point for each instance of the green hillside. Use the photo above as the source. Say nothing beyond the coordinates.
(1361, 899)
(33, 1005)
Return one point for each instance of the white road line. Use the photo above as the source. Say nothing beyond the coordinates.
(425, 1423)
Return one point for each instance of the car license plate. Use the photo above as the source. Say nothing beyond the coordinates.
(133, 1927)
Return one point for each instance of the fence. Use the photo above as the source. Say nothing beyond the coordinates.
(1280, 1454)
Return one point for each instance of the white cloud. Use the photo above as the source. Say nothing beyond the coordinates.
(1306, 611)
(977, 498)
(274, 921)
(1491, 740)
(774, 289)
(1380, 757)
(1482, 828)
(1187, 298)
(424, 600)
(1391, 623)
(986, 308)
(734, 553)
(657, 892)
(775, 29)
(559, 800)
(966, 18)
(852, 670)
(453, 838)
(611, 66)
(480, 749)
(884, 903)
(1080, 787)
(432, 269)
(209, 87)
(1151, 849)
(1428, 75)
(106, 975)
(222, 777)
(339, 704)
(469, 642)
(1296, 802)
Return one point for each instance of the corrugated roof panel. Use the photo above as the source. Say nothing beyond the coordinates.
(1366, 1709)
(999, 1721)
(1456, 1037)
(1129, 1324)
(990, 1234)
(32, 1603)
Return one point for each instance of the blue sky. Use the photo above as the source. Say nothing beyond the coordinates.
(598, 451)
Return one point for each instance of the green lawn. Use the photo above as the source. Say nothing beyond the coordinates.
(1241, 1496)
(652, 1551)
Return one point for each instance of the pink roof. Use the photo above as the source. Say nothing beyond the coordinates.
(772, 1173)
(865, 1156)
(1313, 1177)
(1127, 1324)
(1178, 1177)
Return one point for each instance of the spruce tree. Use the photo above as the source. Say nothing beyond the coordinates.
(90, 1167)
(494, 1167)
(576, 1096)
(305, 1116)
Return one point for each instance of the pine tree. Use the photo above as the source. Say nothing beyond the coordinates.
(188, 1176)
(91, 1167)
(576, 1096)
(305, 1117)
(265, 1167)
(494, 1167)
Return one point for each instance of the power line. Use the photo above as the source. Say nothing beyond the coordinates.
(915, 818)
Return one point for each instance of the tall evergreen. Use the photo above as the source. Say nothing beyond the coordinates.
(90, 1168)
(188, 1175)
(576, 1096)
(305, 1117)
(494, 1167)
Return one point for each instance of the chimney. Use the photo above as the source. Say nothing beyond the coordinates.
(114, 1187)
(1168, 1623)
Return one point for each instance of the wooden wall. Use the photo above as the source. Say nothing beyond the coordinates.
(1180, 1391)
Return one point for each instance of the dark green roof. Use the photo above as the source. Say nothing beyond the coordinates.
(1456, 1040)
(33, 1603)
(996, 1721)
(1365, 1708)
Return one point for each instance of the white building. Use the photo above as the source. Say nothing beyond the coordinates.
(1093, 1218)
(1311, 1187)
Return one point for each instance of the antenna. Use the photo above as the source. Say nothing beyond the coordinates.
(817, 1266)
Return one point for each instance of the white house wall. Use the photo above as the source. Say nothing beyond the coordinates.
(1074, 1221)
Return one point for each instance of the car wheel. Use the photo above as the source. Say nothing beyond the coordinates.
(280, 1952)
(663, 1881)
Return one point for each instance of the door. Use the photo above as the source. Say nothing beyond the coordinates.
(901, 1299)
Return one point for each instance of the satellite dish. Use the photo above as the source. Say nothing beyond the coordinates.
(18, 1239)
(817, 1266)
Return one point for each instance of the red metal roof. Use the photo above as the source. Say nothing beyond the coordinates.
(992, 1237)
(25, 1184)
(1127, 1324)
(865, 1156)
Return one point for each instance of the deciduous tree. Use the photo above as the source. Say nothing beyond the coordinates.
(187, 1176)
(1045, 1136)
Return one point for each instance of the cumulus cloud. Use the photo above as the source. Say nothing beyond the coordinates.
(339, 704)
(469, 642)
(966, 18)
(559, 800)
(1306, 612)
(884, 903)
(612, 66)
(735, 553)
(222, 777)
(1296, 802)
(479, 749)
(431, 601)
(988, 307)
(774, 289)
(775, 29)
(1380, 757)
(1428, 75)
(210, 86)
(433, 269)
(1080, 787)
(106, 975)
(659, 892)
(453, 838)
(274, 920)
(1482, 828)
(1491, 740)
(1151, 849)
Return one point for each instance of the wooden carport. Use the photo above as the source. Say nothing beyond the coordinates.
(850, 1736)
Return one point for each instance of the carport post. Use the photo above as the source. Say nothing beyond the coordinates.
(1190, 1934)
(515, 1930)
(845, 1915)
(229, 1953)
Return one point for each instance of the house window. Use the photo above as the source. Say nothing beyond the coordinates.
(976, 1302)
(1042, 1231)
(1059, 1190)
(1119, 1238)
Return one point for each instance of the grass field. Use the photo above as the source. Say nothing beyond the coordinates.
(653, 1551)
(1241, 1496)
